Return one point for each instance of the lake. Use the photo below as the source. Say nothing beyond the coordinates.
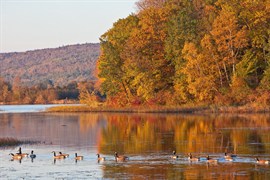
(147, 139)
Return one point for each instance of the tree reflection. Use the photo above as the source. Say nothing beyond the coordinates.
(200, 134)
(140, 135)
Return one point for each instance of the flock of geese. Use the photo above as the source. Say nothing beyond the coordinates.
(121, 158)
(227, 157)
(19, 156)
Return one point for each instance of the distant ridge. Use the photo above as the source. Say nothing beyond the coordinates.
(59, 66)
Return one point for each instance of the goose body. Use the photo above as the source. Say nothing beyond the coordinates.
(32, 155)
(100, 159)
(226, 155)
(78, 157)
(261, 161)
(22, 154)
(120, 158)
(191, 158)
(63, 154)
(16, 156)
(210, 160)
(174, 156)
(229, 157)
(58, 156)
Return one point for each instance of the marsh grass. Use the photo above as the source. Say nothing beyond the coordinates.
(14, 142)
(136, 109)
(191, 108)
(82, 108)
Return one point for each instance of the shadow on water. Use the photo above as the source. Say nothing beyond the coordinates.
(147, 139)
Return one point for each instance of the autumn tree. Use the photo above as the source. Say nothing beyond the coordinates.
(88, 94)
(230, 39)
(180, 51)
(181, 27)
(115, 80)
(152, 72)
(16, 89)
(256, 16)
(4, 91)
(201, 73)
(145, 4)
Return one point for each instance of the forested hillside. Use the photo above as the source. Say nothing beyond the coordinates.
(56, 67)
(174, 52)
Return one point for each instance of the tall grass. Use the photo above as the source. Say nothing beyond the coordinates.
(134, 109)
(190, 108)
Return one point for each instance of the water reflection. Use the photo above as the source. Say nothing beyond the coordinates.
(200, 134)
(149, 139)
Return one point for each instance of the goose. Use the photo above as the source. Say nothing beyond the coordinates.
(19, 151)
(22, 154)
(120, 158)
(228, 158)
(174, 156)
(192, 158)
(210, 160)
(226, 155)
(66, 155)
(78, 157)
(260, 161)
(16, 156)
(100, 159)
(32, 155)
(58, 156)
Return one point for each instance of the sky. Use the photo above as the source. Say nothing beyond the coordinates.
(37, 24)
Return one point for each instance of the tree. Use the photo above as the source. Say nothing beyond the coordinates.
(4, 91)
(181, 27)
(16, 89)
(88, 95)
(256, 16)
(115, 79)
(145, 4)
(152, 72)
(230, 39)
(200, 72)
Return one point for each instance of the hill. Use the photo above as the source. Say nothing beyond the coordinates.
(57, 66)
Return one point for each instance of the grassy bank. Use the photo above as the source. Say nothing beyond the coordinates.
(13, 142)
(125, 109)
(167, 109)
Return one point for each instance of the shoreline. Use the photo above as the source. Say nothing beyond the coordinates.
(248, 109)
(10, 141)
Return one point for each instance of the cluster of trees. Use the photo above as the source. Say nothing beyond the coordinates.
(182, 51)
(43, 93)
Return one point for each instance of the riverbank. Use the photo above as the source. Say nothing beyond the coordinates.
(163, 109)
(13, 142)
(61, 101)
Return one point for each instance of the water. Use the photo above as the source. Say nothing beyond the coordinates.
(147, 139)
(28, 108)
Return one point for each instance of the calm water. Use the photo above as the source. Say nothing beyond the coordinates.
(28, 108)
(148, 140)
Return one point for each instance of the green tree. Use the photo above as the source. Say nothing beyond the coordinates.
(114, 77)
(181, 27)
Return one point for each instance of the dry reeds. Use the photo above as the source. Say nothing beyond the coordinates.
(164, 109)
(13, 142)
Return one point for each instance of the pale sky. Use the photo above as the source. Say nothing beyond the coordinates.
(36, 24)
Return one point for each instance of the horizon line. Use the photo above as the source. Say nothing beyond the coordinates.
(23, 51)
